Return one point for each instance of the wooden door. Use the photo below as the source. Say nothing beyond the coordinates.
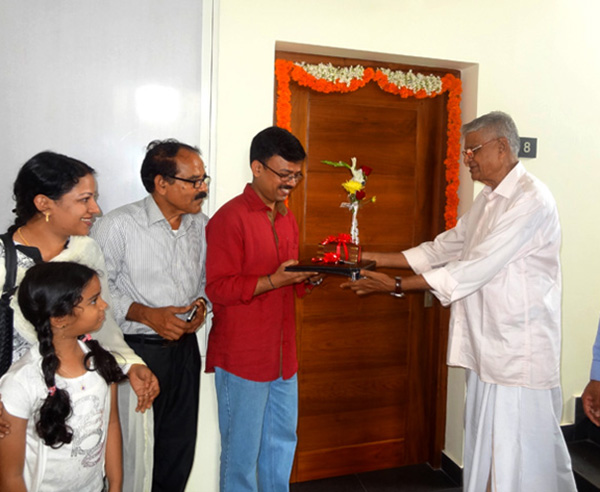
(372, 375)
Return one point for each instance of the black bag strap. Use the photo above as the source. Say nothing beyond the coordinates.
(10, 260)
(6, 313)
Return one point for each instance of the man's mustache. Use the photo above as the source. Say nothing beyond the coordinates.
(201, 195)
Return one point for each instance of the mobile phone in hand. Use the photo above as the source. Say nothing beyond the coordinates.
(192, 313)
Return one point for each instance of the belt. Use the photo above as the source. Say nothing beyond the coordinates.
(148, 339)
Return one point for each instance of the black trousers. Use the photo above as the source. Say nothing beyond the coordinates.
(177, 366)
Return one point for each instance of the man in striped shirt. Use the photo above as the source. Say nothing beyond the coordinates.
(155, 253)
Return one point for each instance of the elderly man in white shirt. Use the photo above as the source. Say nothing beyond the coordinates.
(499, 269)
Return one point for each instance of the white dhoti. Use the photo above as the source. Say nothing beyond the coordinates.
(138, 442)
(513, 440)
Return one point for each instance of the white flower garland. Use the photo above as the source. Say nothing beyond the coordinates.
(431, 84)
(332, 74)
(415, 82)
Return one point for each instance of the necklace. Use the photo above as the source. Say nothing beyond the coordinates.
(71, 378)
(21, 236)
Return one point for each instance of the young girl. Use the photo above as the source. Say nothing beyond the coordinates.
(59, 397)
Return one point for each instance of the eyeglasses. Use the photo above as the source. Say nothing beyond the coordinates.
(196, 183)
(470, 153)
(286, 177)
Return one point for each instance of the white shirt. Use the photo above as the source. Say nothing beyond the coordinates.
(500, 269)
(74, 467)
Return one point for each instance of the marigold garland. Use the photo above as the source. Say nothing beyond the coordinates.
(327, 78)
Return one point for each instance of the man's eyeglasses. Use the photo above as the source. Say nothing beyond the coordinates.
(196, 183)
(470, 153)
(285, 177)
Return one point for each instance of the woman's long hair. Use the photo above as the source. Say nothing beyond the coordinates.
(53, 290)
(46, 173)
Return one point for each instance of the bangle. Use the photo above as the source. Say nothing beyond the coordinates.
(204, 307)
(398, 292)
(270, 281)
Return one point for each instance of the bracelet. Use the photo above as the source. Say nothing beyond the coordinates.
(270, 281)
(398, 292)
(204, 307)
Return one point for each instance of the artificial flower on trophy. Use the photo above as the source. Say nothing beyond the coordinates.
(355, 187)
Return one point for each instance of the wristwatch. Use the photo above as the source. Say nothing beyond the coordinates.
(398, 292)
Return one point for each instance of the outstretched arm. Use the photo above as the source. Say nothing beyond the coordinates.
(391, 260)
(377, 282)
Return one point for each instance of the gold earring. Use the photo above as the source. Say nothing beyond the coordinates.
(47, 216)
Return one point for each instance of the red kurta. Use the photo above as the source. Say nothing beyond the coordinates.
(251, 337)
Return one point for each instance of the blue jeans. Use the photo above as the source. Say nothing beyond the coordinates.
(258, 432)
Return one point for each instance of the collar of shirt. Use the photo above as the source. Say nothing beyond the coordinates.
(155, 215)
(256, 204)
(508, 184)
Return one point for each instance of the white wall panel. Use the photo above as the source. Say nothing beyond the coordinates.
(98, 80)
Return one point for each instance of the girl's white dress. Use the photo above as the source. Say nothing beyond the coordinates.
(79, 465)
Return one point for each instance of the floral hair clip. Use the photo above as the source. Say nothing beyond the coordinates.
(52, 390)
(86, 338)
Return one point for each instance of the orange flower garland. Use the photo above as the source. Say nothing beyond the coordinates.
(284, 95)
(286, 71)
(454, 88)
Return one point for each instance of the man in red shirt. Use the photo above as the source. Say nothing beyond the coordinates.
(252, 345)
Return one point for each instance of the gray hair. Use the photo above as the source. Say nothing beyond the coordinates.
(501, 124)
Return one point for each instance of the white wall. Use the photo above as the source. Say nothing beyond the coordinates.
(538, 60)
(98, 80)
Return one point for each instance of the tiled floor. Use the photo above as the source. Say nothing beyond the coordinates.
(416, 478)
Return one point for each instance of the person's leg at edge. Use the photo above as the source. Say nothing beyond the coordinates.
(241, 408)
(279, 436)
(479, 408)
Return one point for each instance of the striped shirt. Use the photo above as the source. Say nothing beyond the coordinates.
(149, 263)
